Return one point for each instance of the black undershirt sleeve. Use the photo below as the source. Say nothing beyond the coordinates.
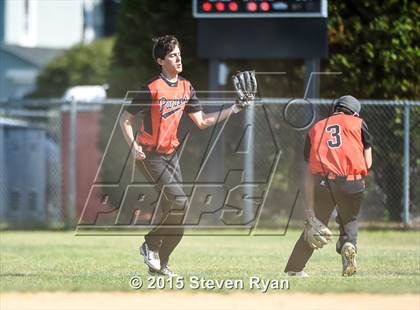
(193, 104)
(141, 101)
(366, 137)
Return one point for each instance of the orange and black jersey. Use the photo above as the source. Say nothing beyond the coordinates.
(336, 145)
(161, 104)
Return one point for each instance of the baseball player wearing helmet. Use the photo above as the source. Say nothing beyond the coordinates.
(161, 104)
(338, 151)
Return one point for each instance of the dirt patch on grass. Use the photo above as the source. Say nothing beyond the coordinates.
(181, 300)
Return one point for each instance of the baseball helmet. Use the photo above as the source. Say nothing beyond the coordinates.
(349, 102)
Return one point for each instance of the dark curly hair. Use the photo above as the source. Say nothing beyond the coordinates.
(164, 45)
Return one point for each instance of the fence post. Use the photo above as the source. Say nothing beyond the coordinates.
(406, 181)
(249, 168)
(71, 186)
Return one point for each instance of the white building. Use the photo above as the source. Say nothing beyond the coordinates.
(33, 32)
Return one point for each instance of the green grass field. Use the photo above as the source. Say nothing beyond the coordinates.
(60, 261)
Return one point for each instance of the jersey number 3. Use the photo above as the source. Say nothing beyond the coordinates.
(335, 132)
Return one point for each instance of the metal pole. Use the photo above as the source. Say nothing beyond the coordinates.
(406, 182)
(249, 166)
(312, 84)
(71, 186)
(311, 90)
(214, 67)
(217, 159)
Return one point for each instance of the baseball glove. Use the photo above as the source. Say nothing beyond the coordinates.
(316, 234)
(245, 85)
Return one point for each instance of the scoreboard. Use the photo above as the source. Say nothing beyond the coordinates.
(261, 29)
(260, 9)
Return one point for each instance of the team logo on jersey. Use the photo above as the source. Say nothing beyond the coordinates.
(170, 106)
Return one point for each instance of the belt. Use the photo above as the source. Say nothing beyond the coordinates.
(152, 149)
(351, 177)
(148, 148)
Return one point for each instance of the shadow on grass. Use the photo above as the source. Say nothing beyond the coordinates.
(10, 274)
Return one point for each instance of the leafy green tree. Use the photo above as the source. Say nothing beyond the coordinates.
(376, 46)
(80, 65)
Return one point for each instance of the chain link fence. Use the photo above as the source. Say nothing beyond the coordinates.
(31, 164)
(38, 176)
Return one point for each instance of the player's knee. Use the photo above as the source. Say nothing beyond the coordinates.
(178, 200)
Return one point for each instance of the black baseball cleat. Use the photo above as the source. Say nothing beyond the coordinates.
(164, 271)
(348, 255)
(151, 258)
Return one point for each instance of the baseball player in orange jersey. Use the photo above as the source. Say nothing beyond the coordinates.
(161, 104)
(339, 154)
